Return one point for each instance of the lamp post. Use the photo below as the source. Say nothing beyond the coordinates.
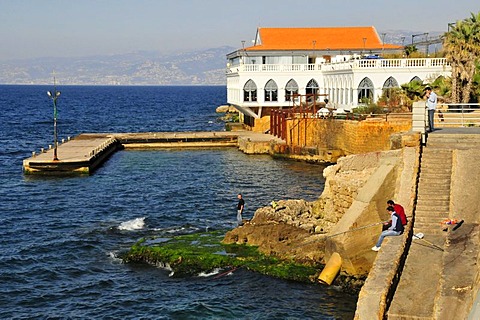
(54, 96)
(364, 40)
(383, 42)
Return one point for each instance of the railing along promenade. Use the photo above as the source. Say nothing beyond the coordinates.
(457, 115)
(344, 65)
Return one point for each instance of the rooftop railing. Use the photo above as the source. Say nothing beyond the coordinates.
(343, 65)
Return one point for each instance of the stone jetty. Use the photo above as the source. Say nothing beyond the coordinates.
(85, 152)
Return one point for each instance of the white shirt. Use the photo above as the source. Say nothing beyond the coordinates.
(432, 101)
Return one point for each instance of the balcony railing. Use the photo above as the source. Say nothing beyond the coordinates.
(352, 64)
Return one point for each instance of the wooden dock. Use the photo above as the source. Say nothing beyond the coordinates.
(85, 152)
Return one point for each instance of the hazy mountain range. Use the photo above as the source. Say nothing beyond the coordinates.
(201, 67)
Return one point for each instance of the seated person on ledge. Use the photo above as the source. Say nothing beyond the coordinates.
(398, 210)
(395, 229)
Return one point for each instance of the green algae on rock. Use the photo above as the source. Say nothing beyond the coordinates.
(191, 254)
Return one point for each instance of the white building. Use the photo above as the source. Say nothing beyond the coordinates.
(343, 64)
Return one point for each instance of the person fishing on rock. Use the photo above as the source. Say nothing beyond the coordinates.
(240, 207)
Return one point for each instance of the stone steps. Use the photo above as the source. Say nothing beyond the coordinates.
(411, 293)
(437, 169)
(430, 210)
(433, 206)
(429, 229)
(422, 195)
(427, 201)
(452, 141)
(425, 215)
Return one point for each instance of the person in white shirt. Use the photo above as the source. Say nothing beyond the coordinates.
(431, 106)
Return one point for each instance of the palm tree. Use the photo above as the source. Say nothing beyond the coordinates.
(410, 49)
(414, 90)
(462, 50)
(476, 85)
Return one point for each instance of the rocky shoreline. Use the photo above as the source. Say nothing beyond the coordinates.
(292, 233)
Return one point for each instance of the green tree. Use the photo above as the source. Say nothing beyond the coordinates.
(476, 85)
(462, 50)
(442, 86)
(414, 90)
(410, 49)
(395, 100)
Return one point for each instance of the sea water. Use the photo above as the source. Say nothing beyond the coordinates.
(61, 237)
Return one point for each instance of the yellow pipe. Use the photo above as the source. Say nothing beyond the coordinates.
(331, 270)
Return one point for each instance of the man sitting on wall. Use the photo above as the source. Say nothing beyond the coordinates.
(395, 229)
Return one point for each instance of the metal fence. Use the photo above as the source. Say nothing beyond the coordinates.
(457, 115)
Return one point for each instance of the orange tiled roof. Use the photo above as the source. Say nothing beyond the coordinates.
(333, 38)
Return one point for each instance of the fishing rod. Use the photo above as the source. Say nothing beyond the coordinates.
(356, 229)
(343, 232)
(359, 228)
(420, 236)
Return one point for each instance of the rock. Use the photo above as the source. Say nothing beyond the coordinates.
(225, 109)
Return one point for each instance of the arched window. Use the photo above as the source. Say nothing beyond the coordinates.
(271, 91)
(312, 87)
(388, 85)
(250, 91)
(365, 90)
(291, 89)
(416, 79)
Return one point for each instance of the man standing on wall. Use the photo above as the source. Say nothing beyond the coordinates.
(240, 206)
(431, 106)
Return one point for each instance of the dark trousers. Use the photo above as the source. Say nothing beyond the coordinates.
(431, 113)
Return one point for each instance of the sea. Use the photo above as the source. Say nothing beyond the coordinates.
(61, 238)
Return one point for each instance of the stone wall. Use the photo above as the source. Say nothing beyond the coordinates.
(352, 242)
(349, 136)
(384, 274)
(262, 124)
(342, 183)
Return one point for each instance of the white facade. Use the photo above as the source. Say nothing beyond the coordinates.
(344, 82)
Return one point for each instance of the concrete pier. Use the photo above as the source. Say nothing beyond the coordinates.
(85, 152)
(80, 155)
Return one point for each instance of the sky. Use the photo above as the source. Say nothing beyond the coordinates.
(68, 28)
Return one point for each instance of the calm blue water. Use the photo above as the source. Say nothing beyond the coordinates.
(60, 237)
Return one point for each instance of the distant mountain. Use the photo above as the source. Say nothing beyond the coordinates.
(203, 67)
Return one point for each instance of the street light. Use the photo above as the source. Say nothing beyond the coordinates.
(54, 96)
(383, 41)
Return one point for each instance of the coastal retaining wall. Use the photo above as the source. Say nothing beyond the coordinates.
(347, 136)
(367, 208)
(383, 277)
